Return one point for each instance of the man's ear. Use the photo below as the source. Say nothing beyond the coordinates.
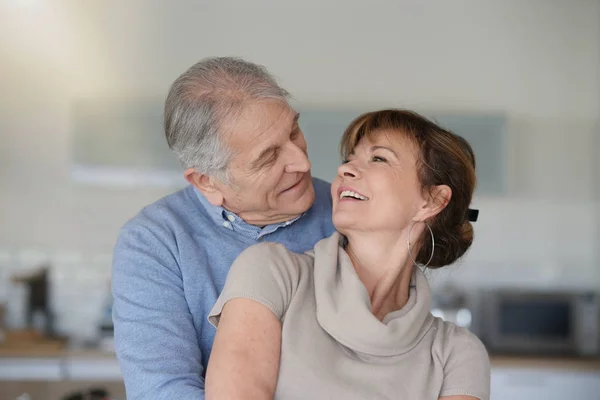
(206, 185)
(437, 199)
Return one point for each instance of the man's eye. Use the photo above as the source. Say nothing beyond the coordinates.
(379, 159)
(272, 158)
(269, 160)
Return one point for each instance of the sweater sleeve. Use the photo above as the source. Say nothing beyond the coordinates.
(467, 366)
(155, 339)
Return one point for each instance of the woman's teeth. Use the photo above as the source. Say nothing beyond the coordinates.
(350, 193)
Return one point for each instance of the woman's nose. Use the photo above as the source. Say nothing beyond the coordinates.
(347, 170)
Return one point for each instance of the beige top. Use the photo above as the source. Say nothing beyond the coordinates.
(333, 347)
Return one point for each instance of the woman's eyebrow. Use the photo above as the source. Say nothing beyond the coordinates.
(373, 148)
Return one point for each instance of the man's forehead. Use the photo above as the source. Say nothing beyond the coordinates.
(258, 122)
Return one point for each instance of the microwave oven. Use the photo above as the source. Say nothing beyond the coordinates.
(539, 322)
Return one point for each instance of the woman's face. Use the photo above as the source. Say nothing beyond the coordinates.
(377, 188)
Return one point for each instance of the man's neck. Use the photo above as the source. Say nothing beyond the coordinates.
(261, 220)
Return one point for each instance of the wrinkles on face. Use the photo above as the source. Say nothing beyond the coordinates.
(267, 141)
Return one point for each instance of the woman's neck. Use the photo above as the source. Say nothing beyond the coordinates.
(383, 265)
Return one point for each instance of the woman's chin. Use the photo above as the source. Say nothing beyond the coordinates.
(344, 224)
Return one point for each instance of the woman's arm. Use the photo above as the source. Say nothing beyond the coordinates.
(244, 362)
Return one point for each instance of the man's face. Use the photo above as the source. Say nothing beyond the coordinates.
(269, 172)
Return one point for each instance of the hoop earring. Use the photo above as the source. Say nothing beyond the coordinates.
(422, 267)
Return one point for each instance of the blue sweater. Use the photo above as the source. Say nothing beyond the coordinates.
(170, 264)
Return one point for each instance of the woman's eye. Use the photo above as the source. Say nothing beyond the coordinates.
(379, 159)
(345, 161)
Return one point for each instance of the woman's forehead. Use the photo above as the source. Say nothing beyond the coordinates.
(386, 137)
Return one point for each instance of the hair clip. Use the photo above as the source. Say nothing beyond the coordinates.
(472, 214)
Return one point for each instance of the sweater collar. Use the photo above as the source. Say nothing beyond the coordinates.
(344, 308)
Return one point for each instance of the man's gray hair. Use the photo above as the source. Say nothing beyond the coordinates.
(202, 98)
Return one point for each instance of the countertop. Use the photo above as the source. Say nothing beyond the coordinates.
(30, 344)
(570, 363)
(498, 361)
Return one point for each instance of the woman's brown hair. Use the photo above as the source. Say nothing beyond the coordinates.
(444, 158)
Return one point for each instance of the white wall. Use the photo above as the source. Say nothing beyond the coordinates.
(536, 60)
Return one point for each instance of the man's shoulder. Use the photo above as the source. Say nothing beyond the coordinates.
(322, 187)
(322, 202)
(169, 212)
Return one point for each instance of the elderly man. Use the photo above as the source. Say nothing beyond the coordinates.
(233, 130)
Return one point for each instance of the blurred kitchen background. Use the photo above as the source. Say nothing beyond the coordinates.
(81, 151)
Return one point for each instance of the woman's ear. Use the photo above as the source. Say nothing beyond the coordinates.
(438, 198)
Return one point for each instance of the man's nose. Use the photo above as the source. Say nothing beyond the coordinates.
(298, 160)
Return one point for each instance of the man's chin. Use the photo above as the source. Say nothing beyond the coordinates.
(310, 197)
(302, 202)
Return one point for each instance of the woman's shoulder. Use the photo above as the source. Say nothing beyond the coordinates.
(453, 336)
(464, 360)
(270, 250)
(267, 273)
(277, 253)
(455, 341)
(272, 256)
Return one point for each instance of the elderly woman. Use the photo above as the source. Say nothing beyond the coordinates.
(350, 319)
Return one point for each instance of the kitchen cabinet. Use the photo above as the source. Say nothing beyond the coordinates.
(548, 384)
(122, 142)
(487, 134)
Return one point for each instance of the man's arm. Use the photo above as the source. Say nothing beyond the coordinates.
(244, 362)
(155, 339)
